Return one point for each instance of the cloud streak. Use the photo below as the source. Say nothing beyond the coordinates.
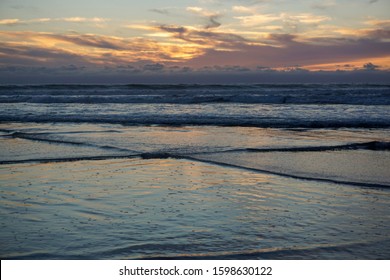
(210, 17)
(14, 21)
(290, 52)
(94, 49)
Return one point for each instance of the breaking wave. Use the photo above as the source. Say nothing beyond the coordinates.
(198, 94)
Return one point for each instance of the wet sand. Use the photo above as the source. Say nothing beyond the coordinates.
(82, 191)
(169, 208)
(359, 167)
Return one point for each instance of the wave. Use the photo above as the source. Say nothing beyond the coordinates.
(146, 156)
(40, 137)
(196, 99)
(320, 251)
(372, 145)
(198, 94)
(189, 120)
(289, 175)
(279, 106)
(189, 86)
(136, 86)
(135, 252)
(194, 157)
(67, 159)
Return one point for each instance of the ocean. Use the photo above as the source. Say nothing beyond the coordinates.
(254, 171)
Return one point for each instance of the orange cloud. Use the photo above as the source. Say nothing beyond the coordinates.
(16, 21)
(10, 21)
(95, 49)
(349, 65)
(200, 46)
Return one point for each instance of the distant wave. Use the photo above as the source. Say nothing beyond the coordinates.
(183, 120)
(279, 106)
(189, 86)
(198, 94)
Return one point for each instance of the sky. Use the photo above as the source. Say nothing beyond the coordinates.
(204, 41)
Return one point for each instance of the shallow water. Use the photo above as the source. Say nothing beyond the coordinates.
(195, 171)
(84, 191)
(359, 167)
(168, 208)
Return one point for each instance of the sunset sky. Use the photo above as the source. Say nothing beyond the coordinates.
(184, 41)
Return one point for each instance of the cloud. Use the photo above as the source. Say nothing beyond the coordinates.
(174, 74)
(257, 19)
(103, 42)
(213, 23)
(290, 22)
(308, 18)
(82, 19)
(378, 34)
(173, 29)
(197, 46)
(290, 51)
(242, 9)
(15, 21)
(282, 38)
(161, 11)
(377, 22)
(211, 17)
(34, 55)
(378, 29)
(370, 67)
(195, 10)
(72, 67)
(244, 2)
(12, 22)
(204, 38)
(155, 67)
(88, 40)
(373, 1)
(94, 49)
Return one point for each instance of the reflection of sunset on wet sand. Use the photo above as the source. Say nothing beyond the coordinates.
(104, 191)
(177, 208)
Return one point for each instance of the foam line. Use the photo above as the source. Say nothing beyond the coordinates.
(163, 155)
(267, 253)
(34, 137)
(204, 120)
(70, 159)
(373, 145)
(290, 175)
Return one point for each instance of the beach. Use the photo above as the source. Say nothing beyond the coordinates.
(177, 179)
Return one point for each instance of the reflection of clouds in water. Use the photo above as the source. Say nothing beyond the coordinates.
(147, 208)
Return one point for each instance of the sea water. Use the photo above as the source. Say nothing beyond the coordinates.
(195, 171)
